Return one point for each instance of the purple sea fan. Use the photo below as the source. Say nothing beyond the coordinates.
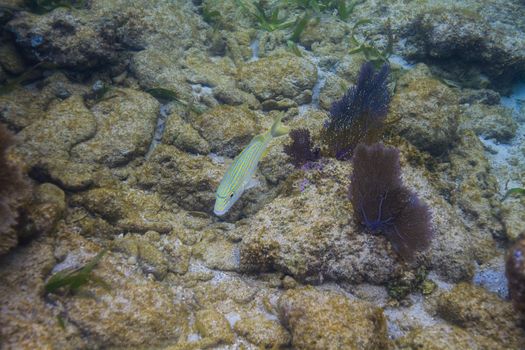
(359, 115)
(301, 150)
(383, 205)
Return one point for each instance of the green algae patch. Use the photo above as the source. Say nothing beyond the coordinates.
(428, 287)
(514, 192)
(410, 281)
(369, 50)
(72, 280)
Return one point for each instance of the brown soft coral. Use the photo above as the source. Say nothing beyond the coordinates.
(14, 189)
(515, 269)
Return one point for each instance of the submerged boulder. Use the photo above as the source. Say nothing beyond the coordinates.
(476, 187)
(24, 105)
(182, 135)
(327, 320)
(228, 129)
(278, 77)
(125, 125)
(213, 325)
(64, 126)
(155, 68)
(71, 39)
(127, 209)
(14, 192)
(482, 313)
(263, 332)
(42, 215)
(10, 59)
(189, 180)
(308, 231)
(515, 271)
(513, 217)
(465, 35)
(445, 337)
(426, 112)
(323, 31)
(71, 143)
(490, 122)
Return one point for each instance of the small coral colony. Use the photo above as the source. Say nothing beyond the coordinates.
(382, 204)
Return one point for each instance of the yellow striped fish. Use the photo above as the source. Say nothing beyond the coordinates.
(240, 172)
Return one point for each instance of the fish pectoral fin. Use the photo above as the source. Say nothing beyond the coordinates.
(253, 182)
(265, 152)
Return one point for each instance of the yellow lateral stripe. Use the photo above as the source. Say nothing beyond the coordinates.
(245, 161)
(241, 161)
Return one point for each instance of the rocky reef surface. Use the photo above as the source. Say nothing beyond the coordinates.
(127, 116)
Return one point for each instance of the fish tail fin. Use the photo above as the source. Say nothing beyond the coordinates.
(278, 129)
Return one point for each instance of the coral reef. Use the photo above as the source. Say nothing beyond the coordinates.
(382, 204)
(128, 116)
(359, 115)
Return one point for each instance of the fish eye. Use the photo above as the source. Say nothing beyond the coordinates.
(231, 195)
